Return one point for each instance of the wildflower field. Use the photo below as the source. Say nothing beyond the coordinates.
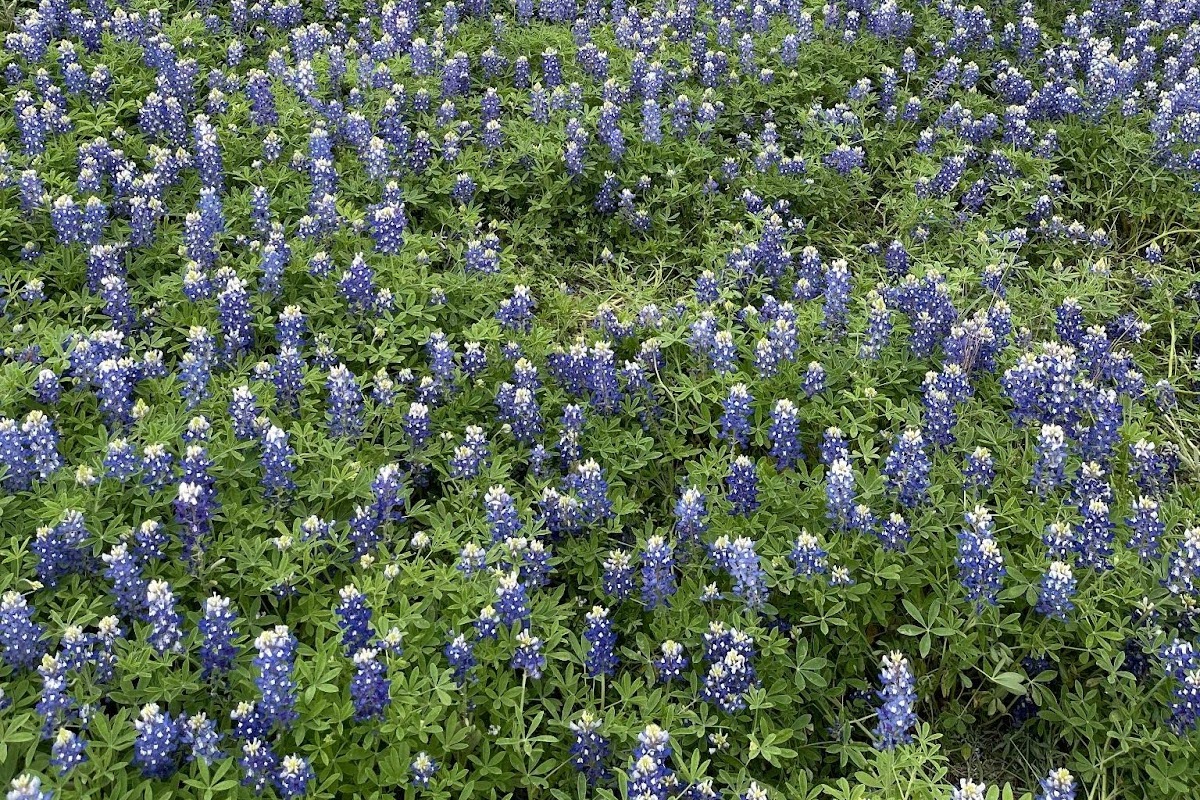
(558, 399)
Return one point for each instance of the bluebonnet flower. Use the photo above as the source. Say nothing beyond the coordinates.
(807, 556)
(784, 433)
(707, 288)
(897, 697)
(907, 468)
(61, 549)
(259, 765)
(423, 769)
(277, 688)
(604, 393)
(589, 485)
(357, 286)
(128, 585)
(814, 379)
(1059, 539)
(277, 466)
(20, 636)
(731, 673)
(601, 658)
(354, 619)
(512, 601)
(1058, 785)
(28, 787)
(165, 635)
(345, 403)
(200, 736)
(55, 704)
(460, 653)
(217, 650)
(248, 723)
(979, 469)
(536, 564)
(236, 318)
(895, 533)
(472, 559)
(670, 665)
(156, 467)
(1147, 528)
(195, 368)
(41, 441)
(740, 560)
(196, 500)
(75, 648)
(1183, 576)
(14, 457)
(1096, 533)
(416, 425)
(691, 516)
(1151, 467)
(833, 446)
(294, 776)
(742, 485)
(968, 790)
(243, 411)
(590, 748)
(778, 347)
(658, 573)
(650, 777)
(879, 326)
(516, 313)
(839, 491)
(370, 687)
(528, 656)
(735, 421)
(980, 562)
(156, 746)
(844, 159)
(1048, 472)
(1057, 589)
(1164, 396)
(618, 575)
(487, 626)
(1181, 663)
(68, 751)
(501, 512)
(519, 410)
(723, 353)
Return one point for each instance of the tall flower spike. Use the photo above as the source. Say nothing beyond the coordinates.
(897, 696)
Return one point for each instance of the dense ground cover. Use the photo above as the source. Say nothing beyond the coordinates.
(587, 399)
